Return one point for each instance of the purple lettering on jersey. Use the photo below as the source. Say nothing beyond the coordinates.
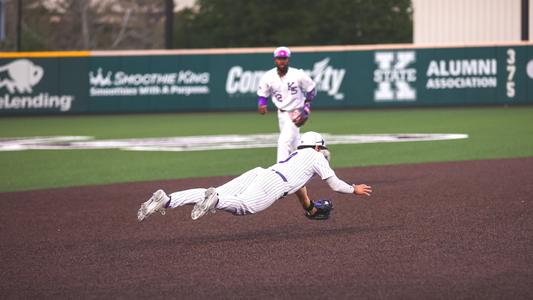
(292, 88)
(290, 156)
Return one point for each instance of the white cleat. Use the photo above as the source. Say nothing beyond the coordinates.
(206, 205)
(156, 203)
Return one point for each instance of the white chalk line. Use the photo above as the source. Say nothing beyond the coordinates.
(202, 143)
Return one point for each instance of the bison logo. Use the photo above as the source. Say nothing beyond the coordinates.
(22, 76)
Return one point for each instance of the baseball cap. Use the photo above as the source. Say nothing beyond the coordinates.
(282, 52)
(312, 139)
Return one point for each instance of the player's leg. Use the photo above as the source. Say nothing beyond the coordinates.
(207, 204)
(185, 197)
(193, 196)
(234, 187)
(204, 200)
(211, 197)
(160, 201)
(262, 192)
(238, 184)
(288, 137)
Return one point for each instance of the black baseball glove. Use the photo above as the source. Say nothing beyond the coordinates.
(323, 209)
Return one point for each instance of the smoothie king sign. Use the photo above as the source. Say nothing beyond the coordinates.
(105, 83)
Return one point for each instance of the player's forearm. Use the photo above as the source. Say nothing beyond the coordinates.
(310, 95)
(307, 204)
(303, 197)
(339, 186)
(262, 101)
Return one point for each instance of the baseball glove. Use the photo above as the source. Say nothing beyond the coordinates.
(300, 115)
(323, 209)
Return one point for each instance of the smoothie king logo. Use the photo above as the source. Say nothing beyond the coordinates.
(18, 78)
(120, 83)
(394, 76)
(327, 79)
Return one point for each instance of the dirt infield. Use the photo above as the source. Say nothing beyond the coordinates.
(457, 230)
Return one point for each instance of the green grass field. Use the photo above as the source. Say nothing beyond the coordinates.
(493, 133)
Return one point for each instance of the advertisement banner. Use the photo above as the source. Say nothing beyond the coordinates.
(228, 82)
(41, 86)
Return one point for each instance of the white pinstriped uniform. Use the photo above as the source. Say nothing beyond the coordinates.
(259, 188)
(288, 93)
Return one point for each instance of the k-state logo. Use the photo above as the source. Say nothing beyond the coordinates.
(393, 76)
(22, 76)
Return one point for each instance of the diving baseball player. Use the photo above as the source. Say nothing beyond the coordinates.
(259, 188)
(292, 91)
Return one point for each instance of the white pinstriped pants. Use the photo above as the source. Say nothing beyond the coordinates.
(249, 193)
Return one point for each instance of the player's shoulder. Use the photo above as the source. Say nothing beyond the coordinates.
(269, 75)
(271, 72)
(310, 153)
(299, 73)
(318, 157)
(295, 70)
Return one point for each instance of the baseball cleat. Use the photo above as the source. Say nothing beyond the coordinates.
(156, 203)
(206, 205)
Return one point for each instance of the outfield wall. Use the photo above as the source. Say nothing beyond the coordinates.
(227, 79)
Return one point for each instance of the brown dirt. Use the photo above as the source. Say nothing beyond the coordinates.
(442, 230)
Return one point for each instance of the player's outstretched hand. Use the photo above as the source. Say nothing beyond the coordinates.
(362, 189)
(262, 109)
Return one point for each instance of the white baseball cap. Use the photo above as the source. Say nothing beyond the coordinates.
(282, 52)
(312, 139)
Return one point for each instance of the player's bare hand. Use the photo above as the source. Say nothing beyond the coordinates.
(362, 189)
(262, 109)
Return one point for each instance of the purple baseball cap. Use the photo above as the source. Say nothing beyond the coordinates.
(282, 52)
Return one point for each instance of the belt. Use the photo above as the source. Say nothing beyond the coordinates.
(285, 110)
(283, 178)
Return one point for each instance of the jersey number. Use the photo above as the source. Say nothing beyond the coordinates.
(290, 156)
(291, 87)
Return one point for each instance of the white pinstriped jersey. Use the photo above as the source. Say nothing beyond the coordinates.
(301, 165)
(287, 92)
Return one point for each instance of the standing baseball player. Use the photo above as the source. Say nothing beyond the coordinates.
(292, 91)
(259, 188)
